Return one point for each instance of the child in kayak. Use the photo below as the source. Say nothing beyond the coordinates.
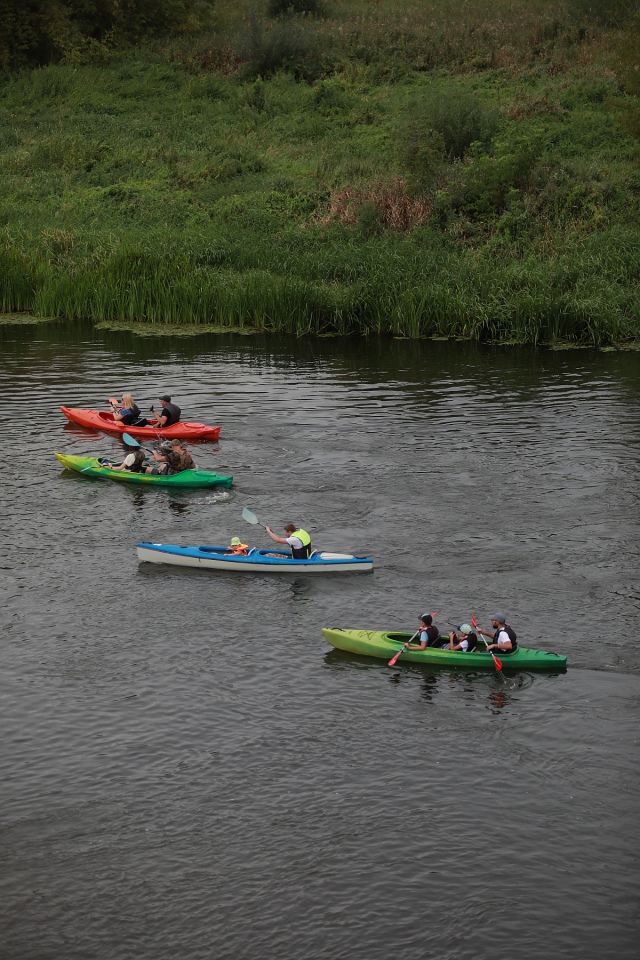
(429, 634)
(463, 639)
(238, 548)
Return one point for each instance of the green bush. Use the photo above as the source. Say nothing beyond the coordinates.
(485, 185)
(289, 45)
(442, 125)
(279, 8)
(610, 12)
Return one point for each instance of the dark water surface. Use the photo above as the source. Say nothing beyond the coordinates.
(188, 771)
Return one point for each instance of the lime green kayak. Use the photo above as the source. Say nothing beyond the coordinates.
(377, 643)
(91, 467)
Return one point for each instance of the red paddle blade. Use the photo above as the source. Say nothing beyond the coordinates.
(497, 662)
(474, 622)
(393, 659)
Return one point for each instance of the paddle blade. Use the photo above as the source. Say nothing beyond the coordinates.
(497, 662)
(393, 659)
(474, 622)
(129, 440)
(249, 516)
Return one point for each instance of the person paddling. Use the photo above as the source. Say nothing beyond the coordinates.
(169, 415)
(504, 638)
(298, 540)
(173, 459)
(463, 639)
(429, 634)
(135, 458)
(129, 412)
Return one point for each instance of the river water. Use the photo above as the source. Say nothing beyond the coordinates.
(189, 771)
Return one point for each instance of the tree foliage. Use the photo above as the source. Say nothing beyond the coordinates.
(37, 32)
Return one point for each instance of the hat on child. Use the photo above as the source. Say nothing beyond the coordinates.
(235, 541)
(427, 618)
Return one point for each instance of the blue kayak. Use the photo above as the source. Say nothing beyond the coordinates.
(256, 561)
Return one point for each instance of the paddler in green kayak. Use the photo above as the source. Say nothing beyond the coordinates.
(504, 638)
(298, 540)
(429, 634)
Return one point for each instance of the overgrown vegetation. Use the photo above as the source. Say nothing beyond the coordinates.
(463, 169)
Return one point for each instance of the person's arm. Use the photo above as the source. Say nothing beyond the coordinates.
(157, 457)
(275, 536)
(419, 646)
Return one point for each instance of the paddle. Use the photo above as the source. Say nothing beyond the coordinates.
(393, 659)
(251, 518)
(497, 663)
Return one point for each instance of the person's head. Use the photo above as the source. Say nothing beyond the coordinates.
(498, 620)
(465, 628)
(127, 400)
(176, 444)
(165, 399)
(235, 541)
(289, 528)
(427, 619)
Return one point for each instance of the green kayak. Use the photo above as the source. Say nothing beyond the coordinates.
(377, 643)
(91, 467)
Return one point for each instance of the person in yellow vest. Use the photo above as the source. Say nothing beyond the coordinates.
(238, 548)
(299, 540)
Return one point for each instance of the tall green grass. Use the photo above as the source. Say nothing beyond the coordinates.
(181, 185)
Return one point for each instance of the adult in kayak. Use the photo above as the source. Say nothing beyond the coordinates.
(134, 461)
(298, 540)
(173, 458)
(169, 415)
(462, 639)
(129, 412)
(429, 634)
(504, 638)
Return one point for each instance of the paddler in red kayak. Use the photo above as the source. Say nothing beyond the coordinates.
(298, 540)
(170, 413)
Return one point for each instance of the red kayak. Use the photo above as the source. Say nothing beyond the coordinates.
(100, 420)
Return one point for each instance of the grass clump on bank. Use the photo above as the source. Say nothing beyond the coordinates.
(466, 170)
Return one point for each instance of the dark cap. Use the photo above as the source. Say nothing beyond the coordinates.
(427, 618)
(499, 617)
(166, 398)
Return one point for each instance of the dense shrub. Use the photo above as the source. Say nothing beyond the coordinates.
(313, 8)
(610, 12)
(289, 45)
(42, 31)
(443, 125)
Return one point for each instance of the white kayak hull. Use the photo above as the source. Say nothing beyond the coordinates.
(257, 561)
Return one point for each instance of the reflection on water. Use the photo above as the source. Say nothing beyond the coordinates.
(187, 767)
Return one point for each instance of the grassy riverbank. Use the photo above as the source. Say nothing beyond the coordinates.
(452, 170)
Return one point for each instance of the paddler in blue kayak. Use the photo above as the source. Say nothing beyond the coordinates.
(429, 634)
(298, 539)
